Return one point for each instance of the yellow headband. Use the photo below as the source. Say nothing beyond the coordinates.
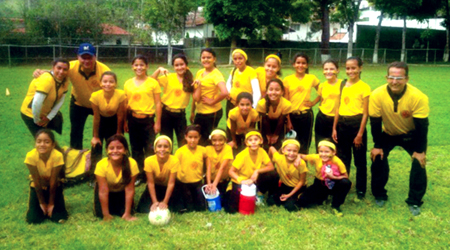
(273, 56)
(218, 132)
(253, 133)
(290, 141)
(163, 137)
(327, 144)
(240, 52)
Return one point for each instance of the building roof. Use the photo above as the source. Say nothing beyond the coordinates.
(109, 29)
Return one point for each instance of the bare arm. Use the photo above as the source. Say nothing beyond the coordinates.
(170, 187)
(121, 116)
(53, 185)
(103, 195)
(129, 196)
(157, 126)
(358, 139)
(38, 187)
(96, 126)
(297, 187)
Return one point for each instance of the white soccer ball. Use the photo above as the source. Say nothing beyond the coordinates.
(159, 217)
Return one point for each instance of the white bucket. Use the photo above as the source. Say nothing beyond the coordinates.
(248, 190)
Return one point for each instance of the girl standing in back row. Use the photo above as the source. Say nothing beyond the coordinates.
(349, 128)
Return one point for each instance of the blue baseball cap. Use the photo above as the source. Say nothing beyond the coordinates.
(86, 48)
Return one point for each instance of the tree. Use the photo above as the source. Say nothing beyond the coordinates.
(348, 13)
(253, 19)
(167, 16)
(446, 24)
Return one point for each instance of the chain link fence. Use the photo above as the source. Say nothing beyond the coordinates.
(11, 55)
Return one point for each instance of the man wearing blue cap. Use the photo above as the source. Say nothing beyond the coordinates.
(84, 74)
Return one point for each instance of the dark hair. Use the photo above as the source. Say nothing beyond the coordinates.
(45, 131)
(279, 65)
(209, 50)
(244, 95)
(399, 65)
(267, 96)
(332, 61)
(193, 127)
(303, 55)
(139, 57)
(60, 60)
(126, 169)
(358, 60)
(188, 78)
(109, 73)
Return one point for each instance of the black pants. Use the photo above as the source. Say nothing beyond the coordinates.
(116, 203)
(380, 171)
(323, 128)
(273, 126)
(107, 128)
(174, 122)
(229, 107)
(291, 203)
(142, 136)
(78, 116)
(266, 182)
(303, 125)
(189, 196)
(208, 123)
(35, 214)
(317, 193)
(145, 202)
(347, 129)
(55, 124)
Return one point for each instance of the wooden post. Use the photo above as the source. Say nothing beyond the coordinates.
(384, 57)
(54, 51)
(9, 55)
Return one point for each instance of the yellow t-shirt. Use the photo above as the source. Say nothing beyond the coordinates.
(352, 99)
(413, 104)
(241, 125)
(83, 86)
(314, 159)
(330, 97)
(108, 109)
(45, 84)
(217, 158)
(191, 164)
(210, 90)
(161, 176)
(261, 76)
(242, 82)
(105, 169)
(283, 108)
(173, 96)
(245, 166)
(289, 174)
(56, 159)
(141, 98)
(300, 90)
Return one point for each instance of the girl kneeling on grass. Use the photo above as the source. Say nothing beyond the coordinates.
(116, 174)
(274, 110)
(108, 105)
(46, 192)
(251, 166)
(190, 175)
(218, 161)
(240, 120)
(330, 183)
(292, 176)
(161, 170)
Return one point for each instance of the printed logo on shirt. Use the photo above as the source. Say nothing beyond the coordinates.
(178, 92)
(347, 100)
(300, 89)
(137, 97)
(194, 165)
(406, 114)
(237, 84)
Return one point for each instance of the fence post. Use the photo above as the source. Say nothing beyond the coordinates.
(340, 54)
(54, 52)
(135, 50)
(262, 56)
(384, 57)
(406, 55)
(290, 52)
(26, 54)
(9, 55)
(435, 56)
(362, 54)
(315, 55)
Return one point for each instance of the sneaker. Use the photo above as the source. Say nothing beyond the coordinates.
(91, 184)
(260, 199)
(414, 209)
(380, 203)
(137, 182)
(337, 212)
(62, 221)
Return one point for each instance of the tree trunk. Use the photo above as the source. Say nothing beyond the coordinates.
(377, 39)
(169, 48)
(403, 54)
(232, 47)
(325, 43)
(350, 39)
(447, 31)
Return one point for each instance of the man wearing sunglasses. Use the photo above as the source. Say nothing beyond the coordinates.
(399, 117)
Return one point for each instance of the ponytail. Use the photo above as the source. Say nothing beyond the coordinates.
(188, 78)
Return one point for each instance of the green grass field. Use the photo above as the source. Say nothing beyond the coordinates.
(364, 225)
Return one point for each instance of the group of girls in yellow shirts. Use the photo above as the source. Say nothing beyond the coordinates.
(240, 153)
